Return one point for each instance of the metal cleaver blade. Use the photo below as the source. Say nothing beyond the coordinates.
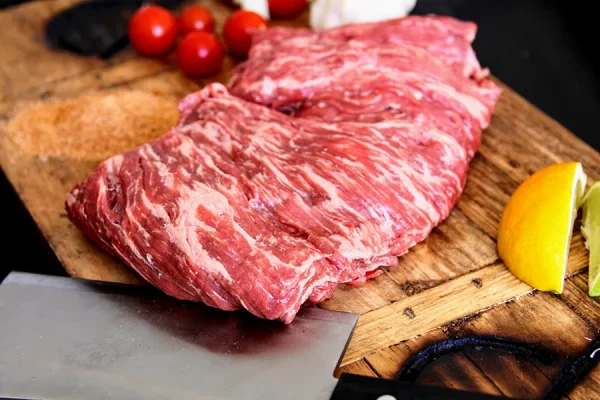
(65, 338)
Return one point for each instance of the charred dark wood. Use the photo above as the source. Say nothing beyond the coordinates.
(415, 365)
(574, 372)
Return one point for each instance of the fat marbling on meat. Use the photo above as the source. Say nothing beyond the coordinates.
(242, 206)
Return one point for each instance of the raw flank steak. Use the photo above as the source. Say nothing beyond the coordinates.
(242, 206)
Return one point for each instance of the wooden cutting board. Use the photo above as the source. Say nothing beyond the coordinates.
(63, 114)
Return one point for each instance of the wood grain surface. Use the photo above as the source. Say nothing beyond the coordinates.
(62, 114)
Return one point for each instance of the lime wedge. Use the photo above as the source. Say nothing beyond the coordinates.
(590, 228)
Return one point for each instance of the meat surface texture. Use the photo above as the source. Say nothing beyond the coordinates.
(242, 206)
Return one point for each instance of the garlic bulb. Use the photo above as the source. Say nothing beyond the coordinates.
(326, 14)
(261, 7)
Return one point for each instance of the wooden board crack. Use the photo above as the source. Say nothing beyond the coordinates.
(389, 325)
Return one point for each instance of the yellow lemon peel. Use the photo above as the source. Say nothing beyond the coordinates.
(536, 227)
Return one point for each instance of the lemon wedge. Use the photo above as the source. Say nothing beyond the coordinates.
(590, 228)
(536, 227)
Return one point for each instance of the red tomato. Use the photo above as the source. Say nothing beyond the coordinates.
(152, 30)
(238, 30)
(200, 53)
(286, 8)
(196, 19)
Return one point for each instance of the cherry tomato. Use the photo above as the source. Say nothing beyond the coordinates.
(286, 8)
(196, 19)
(200, 53)
(152, 30)
(238, 30)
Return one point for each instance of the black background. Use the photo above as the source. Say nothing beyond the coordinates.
(544, 49)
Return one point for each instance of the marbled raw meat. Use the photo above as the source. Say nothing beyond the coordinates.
(242, 206)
